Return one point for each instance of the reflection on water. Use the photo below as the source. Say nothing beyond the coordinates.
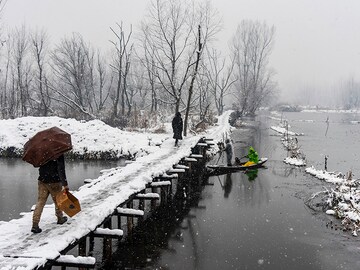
(252, 174)
(18, 182)
(227, 185)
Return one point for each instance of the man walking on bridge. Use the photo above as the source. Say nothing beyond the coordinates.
(177, 125)
(51, 181)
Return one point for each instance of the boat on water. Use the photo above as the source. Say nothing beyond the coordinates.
(222, 169)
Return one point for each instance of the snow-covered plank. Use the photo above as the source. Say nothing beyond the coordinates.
(130, 212)
(176, 170)
(102, 232)
(188, 159)
(72, 261)
(196, 156)
(149, 196)
(160, 184)
(169, 176)
(178, 166)
(202, 144)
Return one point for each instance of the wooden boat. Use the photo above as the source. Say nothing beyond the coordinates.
(222, 169)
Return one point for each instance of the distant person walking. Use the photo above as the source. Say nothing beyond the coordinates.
(51, 181)
(229, 152)
(177, 125)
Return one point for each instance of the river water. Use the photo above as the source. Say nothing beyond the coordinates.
(236, 221)
(18, 182)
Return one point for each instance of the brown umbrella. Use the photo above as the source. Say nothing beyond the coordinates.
(46, 145)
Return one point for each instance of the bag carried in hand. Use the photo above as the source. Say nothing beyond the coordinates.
(68, 203)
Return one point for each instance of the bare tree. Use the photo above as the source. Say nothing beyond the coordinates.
(21, 68)
(104, 85)
(73, 67)
(148, 61)
(251, 47)
(219, 76)
(168, 32)
(39, 43)
(175, 34)
(350, 94)
(121, 66)
(5, 101)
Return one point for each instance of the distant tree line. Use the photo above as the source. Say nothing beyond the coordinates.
(170, 64)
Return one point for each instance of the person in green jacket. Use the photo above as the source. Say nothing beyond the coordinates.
(253, 155)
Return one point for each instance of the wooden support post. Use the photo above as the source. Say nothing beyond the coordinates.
(91, 245)
(153, 202)
(163, 195)
(107, 242)
(141, 207)
(82, 250)
(130, 219)
(119, 221)
(82, 247)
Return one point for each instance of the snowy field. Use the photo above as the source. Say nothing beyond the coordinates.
(88, 138)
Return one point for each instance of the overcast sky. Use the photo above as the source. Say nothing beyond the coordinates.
(317, 42)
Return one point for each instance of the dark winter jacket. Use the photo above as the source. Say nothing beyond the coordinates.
(53, 171)
(229, 150)
(177, 125)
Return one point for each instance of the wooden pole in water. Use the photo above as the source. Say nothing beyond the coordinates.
(141, 207)
(326, 158)
(130, 220)
(107, 242)
(82, 249)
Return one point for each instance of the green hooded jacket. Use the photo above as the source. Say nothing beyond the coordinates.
(253, 155)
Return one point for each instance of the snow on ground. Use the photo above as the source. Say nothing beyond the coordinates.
(343, 200)
(99, 198)
(291, 144)
(284, 131)
(295, 161)
(87, 137)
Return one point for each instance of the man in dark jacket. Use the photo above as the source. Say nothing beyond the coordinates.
(229, 152)
(52, 179)
(177, 125)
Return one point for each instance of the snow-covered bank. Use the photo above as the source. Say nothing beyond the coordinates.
(342, 201)
(20, 249)
(284, 131)
(295, 161)
(91, 140)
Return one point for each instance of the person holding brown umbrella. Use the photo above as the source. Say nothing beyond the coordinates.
(46, 150)
(51, 181)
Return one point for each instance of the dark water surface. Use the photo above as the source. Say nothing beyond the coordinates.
(18, 182)
(240, 223)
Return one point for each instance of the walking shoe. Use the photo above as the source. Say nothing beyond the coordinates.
(62, 220)
(36, 230)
